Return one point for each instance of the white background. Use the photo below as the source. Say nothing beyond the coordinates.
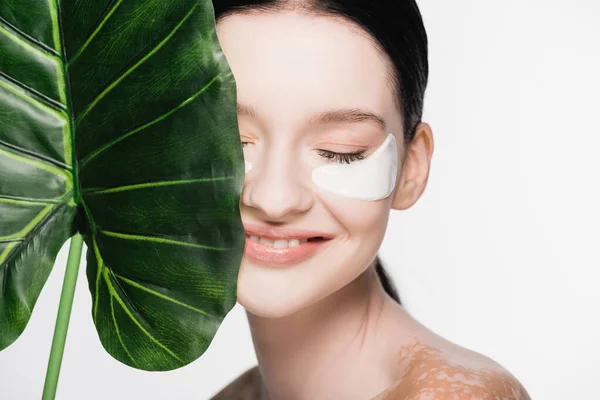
(500, 255)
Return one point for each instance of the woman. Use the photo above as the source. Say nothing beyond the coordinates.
(330, 98)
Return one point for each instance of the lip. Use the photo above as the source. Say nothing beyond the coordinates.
(286, 256)
(273, 233)
(280, 257)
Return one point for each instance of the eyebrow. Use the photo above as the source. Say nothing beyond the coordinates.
(343, 115)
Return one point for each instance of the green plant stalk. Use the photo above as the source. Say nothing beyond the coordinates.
(62, 319)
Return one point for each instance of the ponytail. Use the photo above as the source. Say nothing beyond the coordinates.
(385, 280)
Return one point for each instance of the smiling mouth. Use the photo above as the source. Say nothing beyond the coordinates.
(281, 252)
(284, 243)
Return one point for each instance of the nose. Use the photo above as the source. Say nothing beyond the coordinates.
(275, 187)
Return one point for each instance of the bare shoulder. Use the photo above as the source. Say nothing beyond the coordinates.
(247, 386)
(458, 374)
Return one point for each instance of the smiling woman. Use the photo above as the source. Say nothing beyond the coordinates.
(330, 98)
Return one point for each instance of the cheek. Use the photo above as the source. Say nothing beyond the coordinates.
(364, 224)
(361, 220)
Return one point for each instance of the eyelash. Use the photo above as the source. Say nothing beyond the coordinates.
(342, 158)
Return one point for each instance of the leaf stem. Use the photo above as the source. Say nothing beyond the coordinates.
(62, 319)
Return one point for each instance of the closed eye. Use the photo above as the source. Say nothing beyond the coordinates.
(343, 158)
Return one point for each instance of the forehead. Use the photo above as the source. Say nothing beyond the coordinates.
(297, 65)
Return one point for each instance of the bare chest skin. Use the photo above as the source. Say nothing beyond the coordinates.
(431, 373)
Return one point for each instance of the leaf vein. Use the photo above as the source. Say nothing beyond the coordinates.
(147, 125)
(39, 96)
(11, 240)
(7, 256)
(48, 167)
(163, 296)
(39, 100)
(19, 36)
(159, 240)
(112, 311)
(95, 191)
(23, 232)
(33, 154)
(99, 270)
(112, 7)
(23, 200)
(113, 84)
(135, 321)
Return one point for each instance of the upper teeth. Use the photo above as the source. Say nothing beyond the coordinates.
(278, 244)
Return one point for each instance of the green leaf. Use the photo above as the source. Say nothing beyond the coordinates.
(118, 119)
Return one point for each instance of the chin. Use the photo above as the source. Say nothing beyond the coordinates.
(267, 304)
(275, 294)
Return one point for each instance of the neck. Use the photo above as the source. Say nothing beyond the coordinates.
(336, 348)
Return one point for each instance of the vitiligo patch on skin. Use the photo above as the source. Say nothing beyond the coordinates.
(373, 178)
(433, 375)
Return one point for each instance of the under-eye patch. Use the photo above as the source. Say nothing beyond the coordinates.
(372, 178)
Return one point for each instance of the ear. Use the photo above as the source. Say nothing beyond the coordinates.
(414, 169)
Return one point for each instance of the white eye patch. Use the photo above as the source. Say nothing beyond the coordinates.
(373, 178)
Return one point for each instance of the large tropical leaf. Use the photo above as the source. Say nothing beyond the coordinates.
(118, 120)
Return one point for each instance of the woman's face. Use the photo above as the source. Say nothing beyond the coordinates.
(288, 69)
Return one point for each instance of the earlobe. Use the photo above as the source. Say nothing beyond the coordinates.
(415, 169)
